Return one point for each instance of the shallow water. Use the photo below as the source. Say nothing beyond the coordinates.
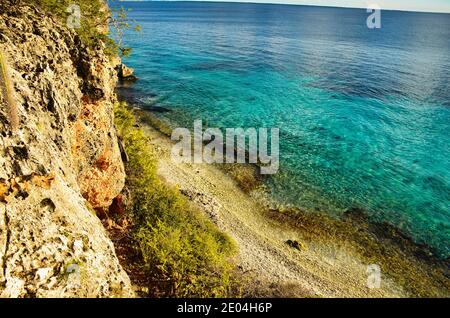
(364, 115)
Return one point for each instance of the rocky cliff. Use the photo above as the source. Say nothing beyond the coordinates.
(59, 161)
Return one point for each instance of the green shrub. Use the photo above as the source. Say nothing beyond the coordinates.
(184, 252)
(94, 16)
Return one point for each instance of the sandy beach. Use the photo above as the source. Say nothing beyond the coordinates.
(272, 267)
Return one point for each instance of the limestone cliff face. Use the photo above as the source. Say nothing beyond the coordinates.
(60, 161)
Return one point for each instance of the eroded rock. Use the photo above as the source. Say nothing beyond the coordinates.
(63, 160)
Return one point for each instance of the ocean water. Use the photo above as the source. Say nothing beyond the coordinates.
(364, 115)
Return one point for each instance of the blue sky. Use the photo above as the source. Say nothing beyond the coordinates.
(409, 5)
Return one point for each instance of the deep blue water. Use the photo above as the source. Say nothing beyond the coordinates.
(364, 114)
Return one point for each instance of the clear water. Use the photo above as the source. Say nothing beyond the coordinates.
(364, 114)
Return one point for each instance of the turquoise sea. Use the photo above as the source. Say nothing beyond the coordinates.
(364, 115)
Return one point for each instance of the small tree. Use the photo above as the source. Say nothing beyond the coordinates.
(120, 22)
(92, 19)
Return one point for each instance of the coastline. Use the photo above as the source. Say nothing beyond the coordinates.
(333, 255)
(92, 204)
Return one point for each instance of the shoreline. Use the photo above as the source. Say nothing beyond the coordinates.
(328, 262)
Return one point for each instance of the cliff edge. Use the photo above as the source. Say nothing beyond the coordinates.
(59, 161)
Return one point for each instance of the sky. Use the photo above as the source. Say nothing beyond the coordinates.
(406, 5)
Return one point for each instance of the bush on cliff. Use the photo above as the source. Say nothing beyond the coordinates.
(90, 19)
(180, 247)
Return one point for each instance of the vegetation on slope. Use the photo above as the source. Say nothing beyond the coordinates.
(181, 249)
(90, 18)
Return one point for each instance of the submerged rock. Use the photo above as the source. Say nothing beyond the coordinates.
(158, 109)
(126, 73)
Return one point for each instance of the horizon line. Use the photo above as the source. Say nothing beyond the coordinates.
(289, 4)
